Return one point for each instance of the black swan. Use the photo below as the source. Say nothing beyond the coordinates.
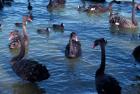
(73, 48)
(27, 69)
(105, 84)
(136, 53)
(59, 27)
(122, 22)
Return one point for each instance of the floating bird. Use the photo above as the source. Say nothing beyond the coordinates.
(122, 22)
(28, 69)
(105, 84)
(73, 48)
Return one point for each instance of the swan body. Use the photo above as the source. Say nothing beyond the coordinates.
(105, 84)
(73, 48)
(30, 70)
(121, 22)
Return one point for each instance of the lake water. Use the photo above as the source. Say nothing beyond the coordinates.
(69, 76)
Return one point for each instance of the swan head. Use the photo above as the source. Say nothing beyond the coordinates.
(73, 36)
(13, 34)
(14, 39)
(100, 41)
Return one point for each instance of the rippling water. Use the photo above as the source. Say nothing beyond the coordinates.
(68, 76)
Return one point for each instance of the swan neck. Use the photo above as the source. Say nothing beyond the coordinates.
(25, 35)
(102, 66)
(101, 69)
(133, 13)
(21, 53)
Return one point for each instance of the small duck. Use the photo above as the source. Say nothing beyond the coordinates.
(29, 6)
(43, 31)
(28, 19)
(18, 24)
(58, 27)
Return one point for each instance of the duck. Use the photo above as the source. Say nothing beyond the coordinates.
(43, 30)
(122, 22)
(59, 27)
(29, 6)
(28, 19)
(105, 83)
(73, 48)
(136, 53)
(18, 24)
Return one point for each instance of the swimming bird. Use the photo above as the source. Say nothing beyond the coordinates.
(29, 6)
(105, 84)
(28, 69)
(43, 30)
(73, 48)
(59, 27)
(122, 22)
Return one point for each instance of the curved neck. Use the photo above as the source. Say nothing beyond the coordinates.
(133, 13)
(101, 69)
(25, 35)
(21, 53)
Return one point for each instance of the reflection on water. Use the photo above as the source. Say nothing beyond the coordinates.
(27, 88)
